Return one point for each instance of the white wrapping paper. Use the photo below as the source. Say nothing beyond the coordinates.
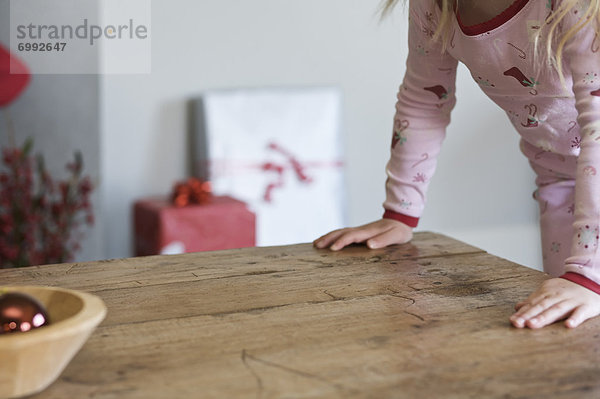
(280, 151)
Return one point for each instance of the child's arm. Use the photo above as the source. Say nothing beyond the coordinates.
(576, 296)
(425, 100)
(582, 59)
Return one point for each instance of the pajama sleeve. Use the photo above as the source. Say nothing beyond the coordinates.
(582, 57)
(425, 100)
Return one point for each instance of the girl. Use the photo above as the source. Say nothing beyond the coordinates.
(539, 60)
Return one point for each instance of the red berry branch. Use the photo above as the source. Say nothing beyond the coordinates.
(40, 218)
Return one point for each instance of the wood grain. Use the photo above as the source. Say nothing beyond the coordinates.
(423, 320)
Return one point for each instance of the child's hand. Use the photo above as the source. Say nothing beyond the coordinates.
(378, 234)
(555, 300)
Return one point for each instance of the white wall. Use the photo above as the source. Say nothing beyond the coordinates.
(482, 191)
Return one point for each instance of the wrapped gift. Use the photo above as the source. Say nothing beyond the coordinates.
(278, 150)
(163, 228)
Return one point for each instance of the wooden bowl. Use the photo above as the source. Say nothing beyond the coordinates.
(32, 360)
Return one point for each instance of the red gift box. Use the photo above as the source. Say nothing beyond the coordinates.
(161, 227)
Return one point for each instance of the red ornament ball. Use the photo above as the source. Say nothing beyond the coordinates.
(20, 313)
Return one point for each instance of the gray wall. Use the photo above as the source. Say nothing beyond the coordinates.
(61, 113)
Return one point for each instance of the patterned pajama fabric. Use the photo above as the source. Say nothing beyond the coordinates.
(559, 124)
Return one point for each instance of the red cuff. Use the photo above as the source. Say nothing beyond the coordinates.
(582, 280)
(410, 221)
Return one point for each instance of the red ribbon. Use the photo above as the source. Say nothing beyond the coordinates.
(276, 168)
(191, 191)
(296, 165)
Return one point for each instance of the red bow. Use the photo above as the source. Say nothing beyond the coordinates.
(192, 191)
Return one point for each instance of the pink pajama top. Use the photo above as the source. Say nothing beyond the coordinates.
(559, 125)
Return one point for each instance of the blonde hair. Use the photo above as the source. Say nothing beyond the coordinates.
(443, 27)
(552, 38)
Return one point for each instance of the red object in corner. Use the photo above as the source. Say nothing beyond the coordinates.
(162, 227)
(14, 76)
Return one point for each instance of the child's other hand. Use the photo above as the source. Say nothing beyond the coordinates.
(555, 300)
(378, 234)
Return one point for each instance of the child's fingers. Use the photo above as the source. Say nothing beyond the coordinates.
(533, 299)
(527, 304)
(581, 314)
(531, 310)
(519, 305)
(345, 239)
(556, 312)
(329, 238)
(541, 300)
(389, 237)
(517, 320)
(355, 236)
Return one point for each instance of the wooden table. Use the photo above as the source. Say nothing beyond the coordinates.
(422, 320)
